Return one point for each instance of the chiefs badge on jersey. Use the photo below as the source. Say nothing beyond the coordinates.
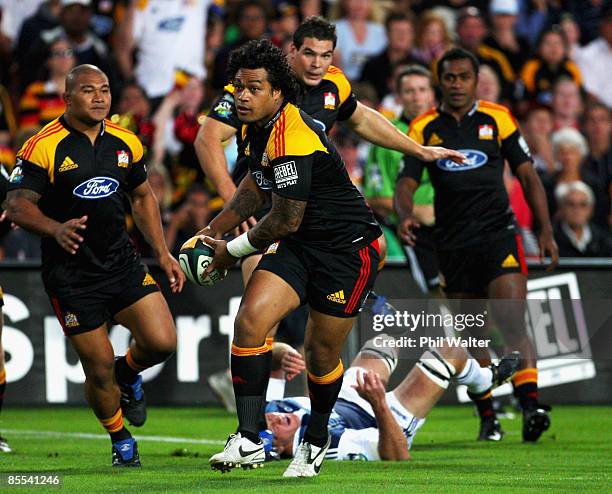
(329, 100)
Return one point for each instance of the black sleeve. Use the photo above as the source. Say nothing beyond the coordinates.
(27, 175)
(292, 176)
(224, 110)
(515, 150)
(137, 175)
(411, 168)
(346, 109)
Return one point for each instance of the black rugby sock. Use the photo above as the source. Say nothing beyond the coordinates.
(323, 392)
(250, 373)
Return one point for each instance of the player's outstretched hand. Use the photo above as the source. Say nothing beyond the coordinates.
(405, 230)
(67, 236)
(548, 246)
(434, 153)
(370, 387)
(173, 271)
(292, 363)
(222, 258)
(209, 232)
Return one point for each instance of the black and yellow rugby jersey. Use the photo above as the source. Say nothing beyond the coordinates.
(76, 178)
(471, 201)
(331, 100)
(291, 157)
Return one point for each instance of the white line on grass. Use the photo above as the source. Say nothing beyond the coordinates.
(83, 435)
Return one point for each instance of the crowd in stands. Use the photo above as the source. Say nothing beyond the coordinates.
(549, 61)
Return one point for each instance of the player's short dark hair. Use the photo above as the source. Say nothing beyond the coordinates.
(315, 27)
(413, 69)
(398, 17)
(262, 54)
(457, 54)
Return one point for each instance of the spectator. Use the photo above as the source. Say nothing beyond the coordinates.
(286, 21)
(567, 105)
(14, 13)
(533, 17)
(576, 236)
(75, 16)
(552, 63)
(252, 24)
(359, 37)
(538, 126)
(569, 151)
(378, 70)
(433, 39)
(597, 127)
(489, 87)
(595, 62)
(45, 18)
(167, 38)
(177, 122)
(8, 128)
(503, 36)
(571, 31)
(471, 33)
(134, 113)
(192, 216)
(587, 14)
(43, 101)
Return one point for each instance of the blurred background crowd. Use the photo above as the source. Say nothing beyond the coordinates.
(550, 61)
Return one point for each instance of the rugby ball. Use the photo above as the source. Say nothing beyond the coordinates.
(194, 258)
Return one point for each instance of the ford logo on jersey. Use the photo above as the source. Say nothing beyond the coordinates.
(96, 188)
(473, 159)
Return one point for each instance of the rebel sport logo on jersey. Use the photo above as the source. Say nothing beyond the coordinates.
(96, 188)
(473, 159)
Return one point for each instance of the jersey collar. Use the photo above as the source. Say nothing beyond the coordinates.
(469, 114)
(276, 115)
(68, 127)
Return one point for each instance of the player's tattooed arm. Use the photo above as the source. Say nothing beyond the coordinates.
(246, 203)
(247, 200)
(283, 219)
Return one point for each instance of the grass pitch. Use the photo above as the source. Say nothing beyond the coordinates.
(575, 455)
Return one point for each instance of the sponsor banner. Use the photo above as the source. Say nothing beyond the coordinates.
(569, 322)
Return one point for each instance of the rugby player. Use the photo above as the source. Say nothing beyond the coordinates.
(328, 98)
(322, 248)
(368, 423)
(479, 250)
(68, 186)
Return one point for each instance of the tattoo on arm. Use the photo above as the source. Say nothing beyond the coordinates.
(245, 203)
(284, 218)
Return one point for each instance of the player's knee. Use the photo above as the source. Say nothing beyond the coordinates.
(321, 357)
(100, 373)
(248, 333)
(163, 346)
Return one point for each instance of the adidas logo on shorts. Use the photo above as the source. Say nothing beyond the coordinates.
(337, 297)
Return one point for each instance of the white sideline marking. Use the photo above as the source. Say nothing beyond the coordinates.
(83, 435)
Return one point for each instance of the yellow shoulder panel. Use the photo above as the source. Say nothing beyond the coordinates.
(335, 75)
(128, 137)
(417, 126)
(575, 71)
(40, 149)
(229, 88)
(291, 136)
(502, 116)
(501, 59)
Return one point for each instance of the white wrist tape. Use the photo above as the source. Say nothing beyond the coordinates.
(240, 246)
